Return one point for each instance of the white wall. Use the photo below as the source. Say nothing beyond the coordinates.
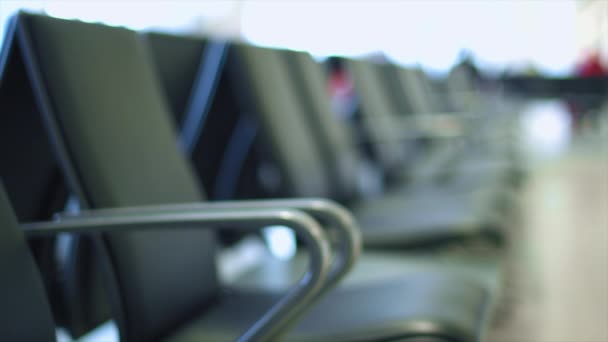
(547, 33)
(592, 28)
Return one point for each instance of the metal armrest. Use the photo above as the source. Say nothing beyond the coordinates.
(349, 243)
(277, 319)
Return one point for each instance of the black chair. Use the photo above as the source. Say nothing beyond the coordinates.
(177, 60)
(17, 267)
(25, 314)
(288, 155)
(477, 155)
(108, 117)
(461, 203)
(260, 89)
(381, 119)
(249, 143)
(35, 186)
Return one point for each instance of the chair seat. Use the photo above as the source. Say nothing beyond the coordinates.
(472, 175)
(432, 216)
(434, 305)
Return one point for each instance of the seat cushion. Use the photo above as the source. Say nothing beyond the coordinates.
(429, 216)
(430, 304)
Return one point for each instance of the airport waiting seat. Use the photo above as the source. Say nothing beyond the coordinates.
(24, 295)
(266, 96)
(105, 109)
(315, 164)
(179, 73)
(461, 158)
(380, 118)
(35, 185)
(450, 167)
(454, 200)
(25, 314)
(489, 124)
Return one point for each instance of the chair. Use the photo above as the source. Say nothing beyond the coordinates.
(308, 164)
(484, 154)
(97, 104)
(19, 268)
(459, 203)
(35, 185)
(459, 160)
(25, 314)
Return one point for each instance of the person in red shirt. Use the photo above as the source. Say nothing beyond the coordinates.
(582, 109)
(591, 66)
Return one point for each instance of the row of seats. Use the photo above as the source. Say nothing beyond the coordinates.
(109, 131)
(280, 122)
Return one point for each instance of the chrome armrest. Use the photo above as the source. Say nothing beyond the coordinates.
(275, 320)
(349, 244)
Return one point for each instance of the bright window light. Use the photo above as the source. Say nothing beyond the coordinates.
(281, 241)
(433, 34)
(547, 128)
(166, 15)
(430, 33)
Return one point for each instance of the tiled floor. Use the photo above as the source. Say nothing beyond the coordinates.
(559, 256)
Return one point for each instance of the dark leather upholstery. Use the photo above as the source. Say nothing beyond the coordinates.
(378, 118)
(33, 181)
(117, 128)
(433, 217)
(395, 309)
(25, 313)
(177, 60)
(282, 121)
(335, 142)
(177, 71)
(34, 185)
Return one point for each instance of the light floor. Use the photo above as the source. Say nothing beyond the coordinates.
(558, 263)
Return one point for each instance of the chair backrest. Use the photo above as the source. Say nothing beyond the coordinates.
(97, 83)
(267, 94)
(34, 184)
(33, 181)
(461, 88)
(427, 96)
(336, 142)
(25, 314)
(183, 66)
(418, 93)
(397, 94)
(254, 93)
(378, 117)
(177, 59)
(333, 134)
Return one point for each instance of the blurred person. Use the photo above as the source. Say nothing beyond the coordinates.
(341, 89)
(583, 109)
(592, 66)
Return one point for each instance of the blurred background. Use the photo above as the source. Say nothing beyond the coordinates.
(548, 37)
(554, 39)
(553, 54)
